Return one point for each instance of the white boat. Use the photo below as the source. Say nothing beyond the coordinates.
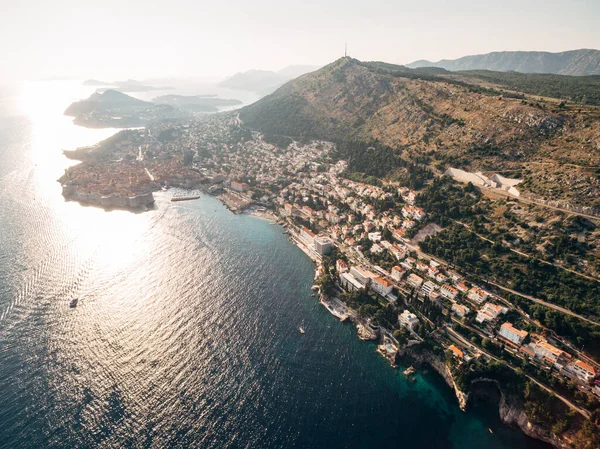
(301, 330)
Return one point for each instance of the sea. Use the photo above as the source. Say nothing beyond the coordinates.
(186, 334)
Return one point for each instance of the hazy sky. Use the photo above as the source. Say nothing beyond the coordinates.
(147, 38)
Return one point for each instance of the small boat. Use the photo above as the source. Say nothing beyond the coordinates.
(491, 431)
(73, 303)
(409, 371)
(301, 330)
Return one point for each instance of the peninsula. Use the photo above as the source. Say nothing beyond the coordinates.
(114, 109)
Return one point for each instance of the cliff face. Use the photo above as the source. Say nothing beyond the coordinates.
(442, 369)
(511, 409)
(512, 413)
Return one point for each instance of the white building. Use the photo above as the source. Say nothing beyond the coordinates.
(441, 278)
(414, 280)
(582, 370)
(460, 310)
(323, 245)
(341, 266)
(350, 283)
(376, 248)
(408, 320)
(448, 291)
(427, 288)
(549, 353)
(381, 286)
(363, 276)
(512, 334)
(397, 273)
(477, 295)
(307, 235)
(374, 236)
(489, 312)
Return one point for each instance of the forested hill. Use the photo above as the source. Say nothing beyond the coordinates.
(574, 62)
(443, 119)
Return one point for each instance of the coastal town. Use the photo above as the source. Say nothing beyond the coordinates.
(364, 238)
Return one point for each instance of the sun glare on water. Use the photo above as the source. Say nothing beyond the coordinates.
(110, 237)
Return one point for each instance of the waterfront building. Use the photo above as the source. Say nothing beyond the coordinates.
(307, 235)
(323, 245)
(512, 334)
(290, 210)
(408, 320)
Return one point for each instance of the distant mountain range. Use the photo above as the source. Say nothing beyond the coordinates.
(574, 62)
(264, 82)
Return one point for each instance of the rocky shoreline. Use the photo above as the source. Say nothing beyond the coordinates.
(510, 408)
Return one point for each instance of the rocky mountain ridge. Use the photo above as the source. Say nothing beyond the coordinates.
(574, 62)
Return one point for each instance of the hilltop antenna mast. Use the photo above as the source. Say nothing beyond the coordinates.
(346, 50)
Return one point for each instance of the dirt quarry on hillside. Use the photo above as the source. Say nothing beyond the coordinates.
(494, 181)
